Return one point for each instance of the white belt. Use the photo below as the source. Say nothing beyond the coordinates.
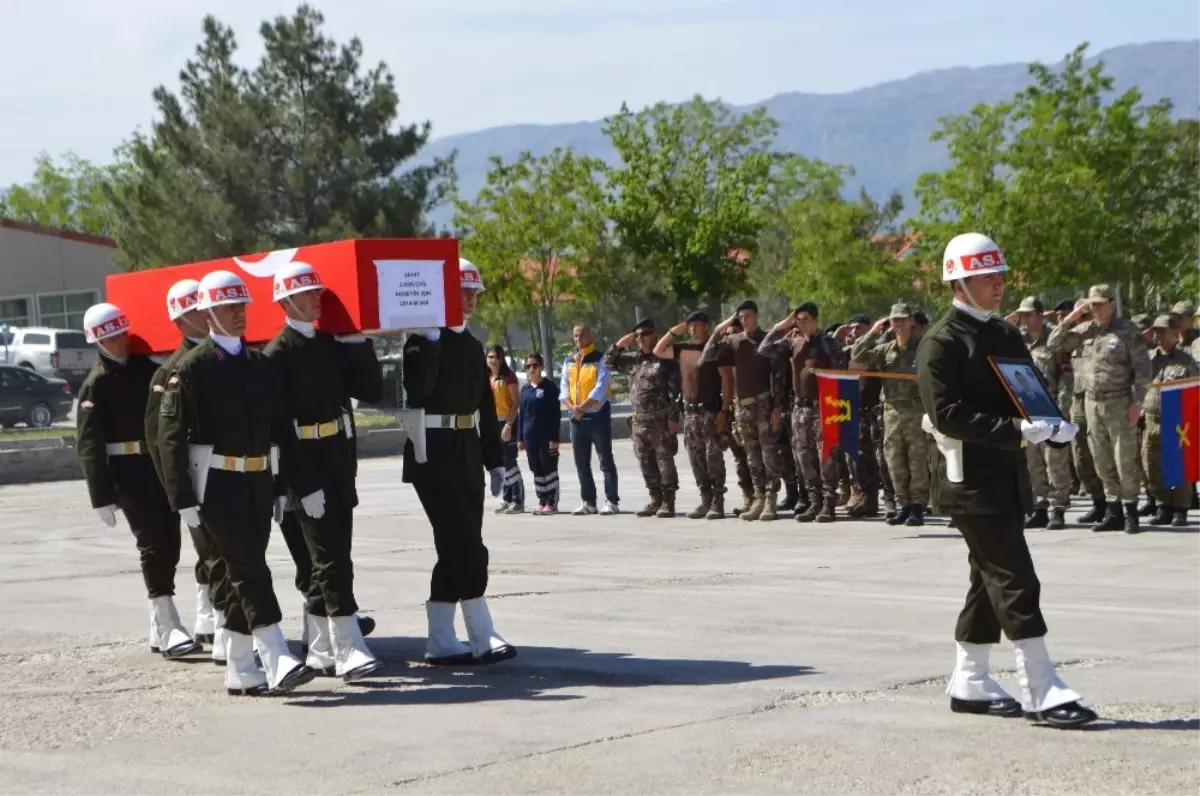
(456, 422)
(125, 448)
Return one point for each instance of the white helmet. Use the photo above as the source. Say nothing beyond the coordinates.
(471, 279)
(221, 287)
(182, 298)
(103, 321)
(972, 254)
(296, 278)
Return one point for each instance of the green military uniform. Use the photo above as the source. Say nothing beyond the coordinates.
(235, 404)
(1119, 371)
(1081, 451)
(905, 443)
(320, 377)
(113, 452)
(1165, 366)
(1049, 465)
(966, 401)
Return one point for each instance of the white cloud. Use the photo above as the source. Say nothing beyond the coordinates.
(78, 74)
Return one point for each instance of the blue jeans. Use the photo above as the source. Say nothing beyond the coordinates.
(595, 429)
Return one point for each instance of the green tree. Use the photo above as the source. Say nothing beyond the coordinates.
(531, 230)
(74, 194)
(1074, 188)
(686, 198)
(303, 148)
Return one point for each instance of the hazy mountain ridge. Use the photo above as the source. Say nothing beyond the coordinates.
(882, 131)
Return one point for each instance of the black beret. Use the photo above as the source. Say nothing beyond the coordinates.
(748, 304)
(644, 323)
(831, 328)
(699, 316)
(1066, 305)
(860, 318)
(810, 307)
(920, 317)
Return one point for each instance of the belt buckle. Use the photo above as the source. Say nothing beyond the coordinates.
(464, 422)
(129, 447)
(229, 463)
(327, 429)
(255, 464)
(308, 432)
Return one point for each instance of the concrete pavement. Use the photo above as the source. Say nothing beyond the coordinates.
(655, 656)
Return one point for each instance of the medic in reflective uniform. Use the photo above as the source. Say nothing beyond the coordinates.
(119, 473)
(221, 414)
(987, 491)
(454, 436)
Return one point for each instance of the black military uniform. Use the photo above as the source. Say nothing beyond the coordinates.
(448, 378)
(112, 403)
(320, 377)
(234, 403)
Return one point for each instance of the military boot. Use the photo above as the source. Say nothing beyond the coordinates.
(1057, 520)
(916, 516)
(717, 510)
(889, 507)
(1099, 507)
(1131, 518)
(843, 496)
(1180, 519)
(1149, 508)
(769, 511)
(828, 510)
(810, 512)
(1038, 519)
(1112, 519)
(667, 509)
(747, 502)
(900, 517)
(858, 500)
(791, 496)
(756, 508)
(870, 505)
(1163, 516)
(651, 508)
(701, 511)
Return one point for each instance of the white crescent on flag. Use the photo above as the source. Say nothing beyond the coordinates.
(267, 266)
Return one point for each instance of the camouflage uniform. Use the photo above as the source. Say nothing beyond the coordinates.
(1119, 371)
(1165, 366)
(905, 443)
(654, 392)
(1076, 410)
(1049, 467)
(703, 394)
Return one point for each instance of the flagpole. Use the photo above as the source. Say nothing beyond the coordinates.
(871, 374)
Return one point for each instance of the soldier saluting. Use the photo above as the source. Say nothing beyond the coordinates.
(113, 454)
(181, 309)
(454, 436)
(321, 374)
(222, 411)
(987, 490)
(654, 393)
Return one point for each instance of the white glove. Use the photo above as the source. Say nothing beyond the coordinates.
(1036, 431)
(1066, 432)
(351, 338)
(314, 504)
(497, 480)
(280, 507)
(191, 516)
(108, 515)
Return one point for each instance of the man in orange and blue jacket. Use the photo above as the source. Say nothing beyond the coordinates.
(586, 397)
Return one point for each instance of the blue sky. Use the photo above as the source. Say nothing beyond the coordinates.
(77, 74)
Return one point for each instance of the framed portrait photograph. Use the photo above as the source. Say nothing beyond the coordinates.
(1027, 389)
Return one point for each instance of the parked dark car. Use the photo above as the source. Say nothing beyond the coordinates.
(31, 398)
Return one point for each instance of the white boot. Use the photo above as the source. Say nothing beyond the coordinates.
(284, 671)
(206, 625)
(168, 634)
(354, 658)
(242, 677)
(486, 644)
(1041, 689)
(320, 644)
(219, 645)
(443, 647)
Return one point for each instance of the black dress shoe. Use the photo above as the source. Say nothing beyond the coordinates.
(1006, 708)
(1065, 716)
(495, 656)
(366, 624)
(204, 638)
(293, 679)
(256, 690)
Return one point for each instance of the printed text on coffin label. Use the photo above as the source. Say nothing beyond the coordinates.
(411, 293)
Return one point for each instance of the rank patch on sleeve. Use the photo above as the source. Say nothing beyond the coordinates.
(169, 404)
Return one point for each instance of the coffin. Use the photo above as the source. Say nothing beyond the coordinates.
(372, 285)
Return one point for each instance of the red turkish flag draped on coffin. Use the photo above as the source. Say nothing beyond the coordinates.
(372, 285)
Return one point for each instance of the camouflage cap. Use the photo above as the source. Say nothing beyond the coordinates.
(1165, 322)
(901, 309)
(1031, 304)
(1098, 294)
(1142, 320)
(1184, 308)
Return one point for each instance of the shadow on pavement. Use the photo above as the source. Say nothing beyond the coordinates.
(1187, 725)
(534, 675)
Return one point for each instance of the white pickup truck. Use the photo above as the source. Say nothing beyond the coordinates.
(54, 353)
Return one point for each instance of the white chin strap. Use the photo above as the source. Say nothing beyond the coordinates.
(971, 299)
(104, 352)
(217, 324)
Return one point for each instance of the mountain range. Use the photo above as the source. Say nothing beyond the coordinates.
(882, 131)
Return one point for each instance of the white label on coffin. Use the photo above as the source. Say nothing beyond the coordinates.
(412, 294)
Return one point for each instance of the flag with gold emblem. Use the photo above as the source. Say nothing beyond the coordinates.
(1180, 411)
(840, 413)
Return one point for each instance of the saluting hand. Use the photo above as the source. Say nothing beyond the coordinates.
(679, 328)
(625, 341)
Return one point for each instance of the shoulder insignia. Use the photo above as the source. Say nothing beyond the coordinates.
(171, 382)
(158, 388)
(169, 404)
(412, 349)
(86, 405)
